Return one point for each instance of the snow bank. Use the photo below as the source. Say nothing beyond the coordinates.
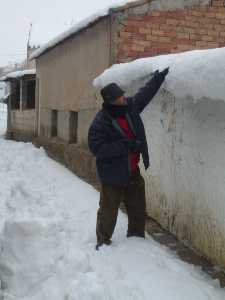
(78, 26)
(199, 73)
(18, 74)
(47, 230)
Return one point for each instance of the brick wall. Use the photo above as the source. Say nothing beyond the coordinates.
(163, 32)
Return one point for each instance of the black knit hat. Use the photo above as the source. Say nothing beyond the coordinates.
(111, 92)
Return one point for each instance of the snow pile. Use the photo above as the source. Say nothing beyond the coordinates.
(79, 26)
(47, 225)
(198, 74)
(18, 74)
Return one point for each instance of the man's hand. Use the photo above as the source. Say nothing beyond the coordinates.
(154, 73)
(164, 72)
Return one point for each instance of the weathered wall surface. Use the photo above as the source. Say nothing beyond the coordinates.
(185, 183)
(23, 124)
(162, 27)
(65, 75)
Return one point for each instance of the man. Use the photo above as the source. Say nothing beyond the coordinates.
(117, 138)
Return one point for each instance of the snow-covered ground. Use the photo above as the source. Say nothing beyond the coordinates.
(47, 223)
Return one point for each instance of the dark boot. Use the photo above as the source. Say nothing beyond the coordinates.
(105, 242)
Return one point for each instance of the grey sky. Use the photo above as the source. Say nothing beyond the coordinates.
(16, 16)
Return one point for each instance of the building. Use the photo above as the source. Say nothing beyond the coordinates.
(21, 123)
(67, 65)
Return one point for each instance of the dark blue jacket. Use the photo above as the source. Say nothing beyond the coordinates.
(106, 138)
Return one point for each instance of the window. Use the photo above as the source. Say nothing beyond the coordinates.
(73, 120)
(31, 94)
(15, 94)
(28, 91)
(54, 123)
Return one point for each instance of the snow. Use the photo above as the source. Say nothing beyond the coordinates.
(47, 225)
(79, 26)
(18, 74)
(198, 73)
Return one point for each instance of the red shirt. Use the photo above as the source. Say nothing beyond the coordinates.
(134, 156)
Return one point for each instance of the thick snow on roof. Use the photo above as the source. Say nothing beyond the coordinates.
(199, 73)
(18, 74)
(78, 26)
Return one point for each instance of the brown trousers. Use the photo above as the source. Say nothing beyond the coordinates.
(133, 197)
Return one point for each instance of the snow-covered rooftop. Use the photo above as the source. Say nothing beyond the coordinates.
(79, 26)
(18, 74)
(199, 73)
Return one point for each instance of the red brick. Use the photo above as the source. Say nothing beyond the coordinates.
(213, 33)
(164, 39)
(207, 38)
(219, 27)
(203, 31)
(141, 43)
(153, 25)
(183, 35)
(222, 34)
(172, 22)
(209, 21)
(151, 19)
(137, 48)
(220, 16)
(196, 13)
(210, 15)
(201, 44)
(213, 45)
(185, 29)
(189, 24)
(158, 32)
(133, 54)
(145, 30)
(133, 29)
(192, 19)
(124, 34)
(195, 37)
(152, 38)
(209, 26)
(218, 3)
(185, 41)
(154, 13)
(185, 47)
(176, 14)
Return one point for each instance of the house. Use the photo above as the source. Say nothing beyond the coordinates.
(21, 104)
(67, 101)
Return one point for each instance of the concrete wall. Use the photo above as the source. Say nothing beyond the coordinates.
(65, 76)
(185, 183)
(23, 124)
